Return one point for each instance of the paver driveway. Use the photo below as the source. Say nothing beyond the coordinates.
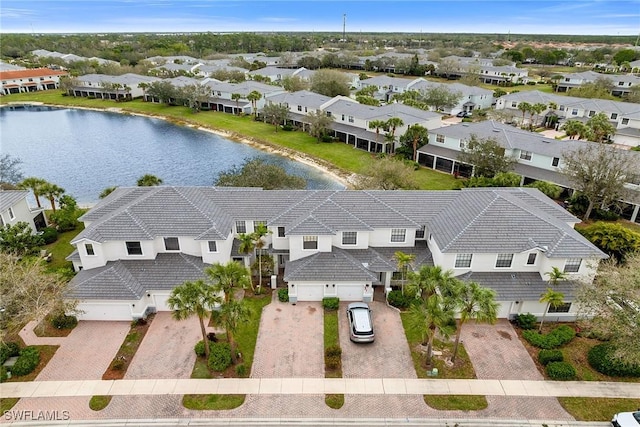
(167, 349)
(387, 357)
(290, 341)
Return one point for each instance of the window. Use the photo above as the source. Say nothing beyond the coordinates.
(1, 221)
(504, 260)
(171, 244)
(514, 104)
(241, 227)
(350, 119)
(398, 234)
(463, 260)
(562, 108)
(461, 144)
(299, 107)
(349, 237)
(572, 265)
(280, 231)
(420, 233)
(574, 112)
(309, 242)
(440, 138)
(328, 113)
(525, 155)
(625, 121)
(592, 113)
(555, 162)
(614, 116)
(342, 118)
(562, 308)
(134, 248)
(620, 83)
(257, 224)
(89, 248)
(11, 214)
(531, 259)
(213, 246)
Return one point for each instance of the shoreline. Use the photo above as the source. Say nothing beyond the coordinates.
(335, 173)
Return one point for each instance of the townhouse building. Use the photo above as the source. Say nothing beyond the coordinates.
(14, 208)
(29, 80)
(103, 86)
(141, 242)
(538, 158)
(621, 83)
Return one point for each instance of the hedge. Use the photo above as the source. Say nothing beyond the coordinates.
(556, 338)
(7, 350)
(526, 321)
(561, 371)
(398, 300)
(283, 295)
(547, 356)
(62, 321)
(220, 356)
(602, 358)
(27, 361)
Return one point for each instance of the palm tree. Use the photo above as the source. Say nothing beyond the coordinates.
(144, 86)
(555, 275)
(34, 184)
(246, 245)
(149, 180)
(430, 280)
(417, 133)
(403, 261)
(553, 299)
(227, 277)
(236, 97)
(537, 109)
(107, 191)
(524, 107)
(474, 302)
(230, 316)
(254, 96)
(392, 124)
(260, 231)
(377, 125)
(194, 298)
(51, 191)
(431, 316)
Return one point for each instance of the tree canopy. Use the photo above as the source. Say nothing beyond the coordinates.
(387, 174)
(258, 173)
(330, 83)
(487, 157)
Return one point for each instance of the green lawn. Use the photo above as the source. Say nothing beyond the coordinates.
(342, 157)
(61, 248)
(217, 402)
(247, 333)
(597, 408)
(98, 403)
(7, 403)
(332, 339)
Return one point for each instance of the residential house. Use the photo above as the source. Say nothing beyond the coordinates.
(622, 115)
(14, 208)
(70, 57)
(621, 83)
(141, 242)
(222, 96)
(29, 80)
(386, 87)
(125, 86)
(538, 158)
(276, 75)
(471, 97)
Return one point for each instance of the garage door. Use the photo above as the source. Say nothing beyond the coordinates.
(106, 311)
(160, 301)
(350, 292)
(310, 292)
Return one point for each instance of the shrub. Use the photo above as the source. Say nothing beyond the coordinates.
(561, 371)
(220, 356)
(49, 235)
(556, 338)
(3, 374)
(398, 300)
(117, 365)
(526, 321)
(7, 350)
(333, 362)
(62, 321)
(602, 359)
(331, 303)
(287, 128)
(283, 295)
(27, 361)
(547, 356)
(241, 370)
(199, 349)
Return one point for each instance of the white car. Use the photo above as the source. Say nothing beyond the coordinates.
(626, 419)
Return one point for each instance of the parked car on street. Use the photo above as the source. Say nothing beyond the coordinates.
(360, 324)
(626, 419)
(464, 114)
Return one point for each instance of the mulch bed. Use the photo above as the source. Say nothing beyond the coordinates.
(120, 363)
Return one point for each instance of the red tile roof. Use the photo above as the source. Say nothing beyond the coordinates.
(33, 72)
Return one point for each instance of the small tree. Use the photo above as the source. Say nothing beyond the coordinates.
(236, 97)
(258, 234)
(225, 278)
(51, 192)
(194, 299)
(553, 299)
(254, 96)
(487, 157)
(555, 275)
(403, 261)
(18, 239)
(416, 136)
(387, 174)
(149, 180)
(230, 316)
(258, 173)
(377, 125)
(275, 114)
(524, 107)
(34, 184)
(319, 123)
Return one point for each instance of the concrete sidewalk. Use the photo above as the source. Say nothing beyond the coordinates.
(275, 386)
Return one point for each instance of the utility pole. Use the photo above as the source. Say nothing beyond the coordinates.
(344, 27)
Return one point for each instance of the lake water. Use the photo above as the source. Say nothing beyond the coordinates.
(85, 152)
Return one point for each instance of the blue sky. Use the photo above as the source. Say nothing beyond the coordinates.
(610, 17)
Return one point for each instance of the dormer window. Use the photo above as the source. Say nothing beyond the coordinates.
(309, 242)
(349, 237)
(171, 244)
(88, 247)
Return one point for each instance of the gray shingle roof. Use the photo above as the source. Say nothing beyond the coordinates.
(130, 280)
(338, 265)
(9, 198)
(518, 286)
